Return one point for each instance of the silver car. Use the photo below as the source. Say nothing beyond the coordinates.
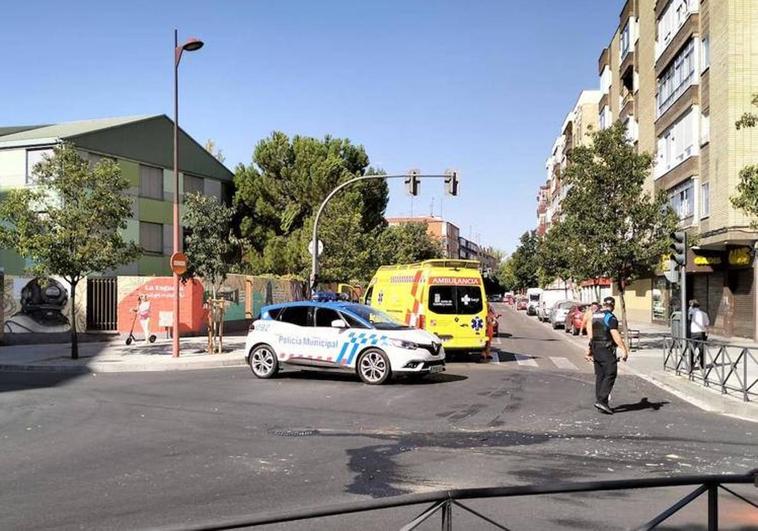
(558, 313)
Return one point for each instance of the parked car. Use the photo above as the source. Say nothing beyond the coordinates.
(495, 298)
(558, 315)
(574, 318)
(509, 299)
(522, 303)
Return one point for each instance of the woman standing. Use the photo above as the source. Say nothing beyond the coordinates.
(143, 314)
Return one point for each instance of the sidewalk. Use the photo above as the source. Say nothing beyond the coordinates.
(646, 362)
(115, 356)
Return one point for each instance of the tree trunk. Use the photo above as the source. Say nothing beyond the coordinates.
(74, 338)
(624, 326)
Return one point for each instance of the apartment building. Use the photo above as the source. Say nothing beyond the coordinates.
(575, 131)
(444, 231)
(679, 73)
(143, 148)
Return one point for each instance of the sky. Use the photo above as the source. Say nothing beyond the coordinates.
(479, 86)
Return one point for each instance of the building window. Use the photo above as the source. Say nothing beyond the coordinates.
(151, 237)
(625, 40)
(34, 157)
(151, 182)
(705, 202)
(193, 185)
(678, 142)
(673, 18)
(705, 54)
(677, 78)
(682, 200)
(705, 129)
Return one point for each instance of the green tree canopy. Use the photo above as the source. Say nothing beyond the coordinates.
(70, 225)
(405, 244)
(612, 227)
(280, 191)
(524, 261)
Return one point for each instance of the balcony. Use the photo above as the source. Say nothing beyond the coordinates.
(626, 102)
(603, 61)
(668, 46)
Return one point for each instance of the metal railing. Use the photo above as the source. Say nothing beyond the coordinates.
(443, 502)
(724, 365)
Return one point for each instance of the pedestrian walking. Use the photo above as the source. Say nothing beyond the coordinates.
(605, 338)
(699, 323)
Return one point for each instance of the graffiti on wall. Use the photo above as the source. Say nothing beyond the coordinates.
(160, 292)
(40, 305)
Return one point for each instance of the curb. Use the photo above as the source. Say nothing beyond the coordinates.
(102, 367)
(743, 413)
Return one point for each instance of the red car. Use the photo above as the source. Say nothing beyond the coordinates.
(522, 304)
(574, 319)
(509, 299)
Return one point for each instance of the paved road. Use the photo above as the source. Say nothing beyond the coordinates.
(137, 450)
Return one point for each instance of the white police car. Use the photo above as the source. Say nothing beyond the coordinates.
(339, 336)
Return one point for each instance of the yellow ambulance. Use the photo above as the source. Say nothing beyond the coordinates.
(444, 297)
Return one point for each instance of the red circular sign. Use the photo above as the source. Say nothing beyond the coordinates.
(179, 263)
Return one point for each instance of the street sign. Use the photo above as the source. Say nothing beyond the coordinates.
(320, 247)
(179, 263)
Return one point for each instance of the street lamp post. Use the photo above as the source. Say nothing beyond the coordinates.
(191, 45)
(451, 184)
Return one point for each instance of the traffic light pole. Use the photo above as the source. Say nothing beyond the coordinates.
(314, 241)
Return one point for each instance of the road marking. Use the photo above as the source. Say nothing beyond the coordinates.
(563, 363)
(528, 361)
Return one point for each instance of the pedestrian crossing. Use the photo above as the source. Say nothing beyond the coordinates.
(509, 359)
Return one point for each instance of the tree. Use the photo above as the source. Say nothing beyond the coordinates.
(211, 246)
(70, 224)
(505, 275)
(278, 195)
(405, 244)
(746, 198)
(555, 260)
(612, 227)
(211, 147)
(524, 263)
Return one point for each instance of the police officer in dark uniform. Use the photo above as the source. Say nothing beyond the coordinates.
(603, 330)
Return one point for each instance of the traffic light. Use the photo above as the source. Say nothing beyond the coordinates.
(413, 182)
(678, 247)
(451, 182)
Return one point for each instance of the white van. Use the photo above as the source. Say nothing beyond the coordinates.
(533, 300)
(548, 298)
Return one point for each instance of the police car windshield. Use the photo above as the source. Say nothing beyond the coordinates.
(377, 319)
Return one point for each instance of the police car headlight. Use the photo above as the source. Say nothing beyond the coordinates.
(399, 343)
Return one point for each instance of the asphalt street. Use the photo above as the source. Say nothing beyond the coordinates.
(137, 450)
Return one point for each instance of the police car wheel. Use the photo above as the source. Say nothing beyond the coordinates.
(374, 367)
(263, 361)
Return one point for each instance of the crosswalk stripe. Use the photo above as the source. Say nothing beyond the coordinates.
(521, 359)
(563, 363)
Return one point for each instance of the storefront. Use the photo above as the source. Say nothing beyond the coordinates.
(722, 281)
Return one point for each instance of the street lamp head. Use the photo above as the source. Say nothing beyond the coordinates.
(192, 44)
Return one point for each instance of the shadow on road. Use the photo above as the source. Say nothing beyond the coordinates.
(340, 376)
(11, 381)
(644, 403)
